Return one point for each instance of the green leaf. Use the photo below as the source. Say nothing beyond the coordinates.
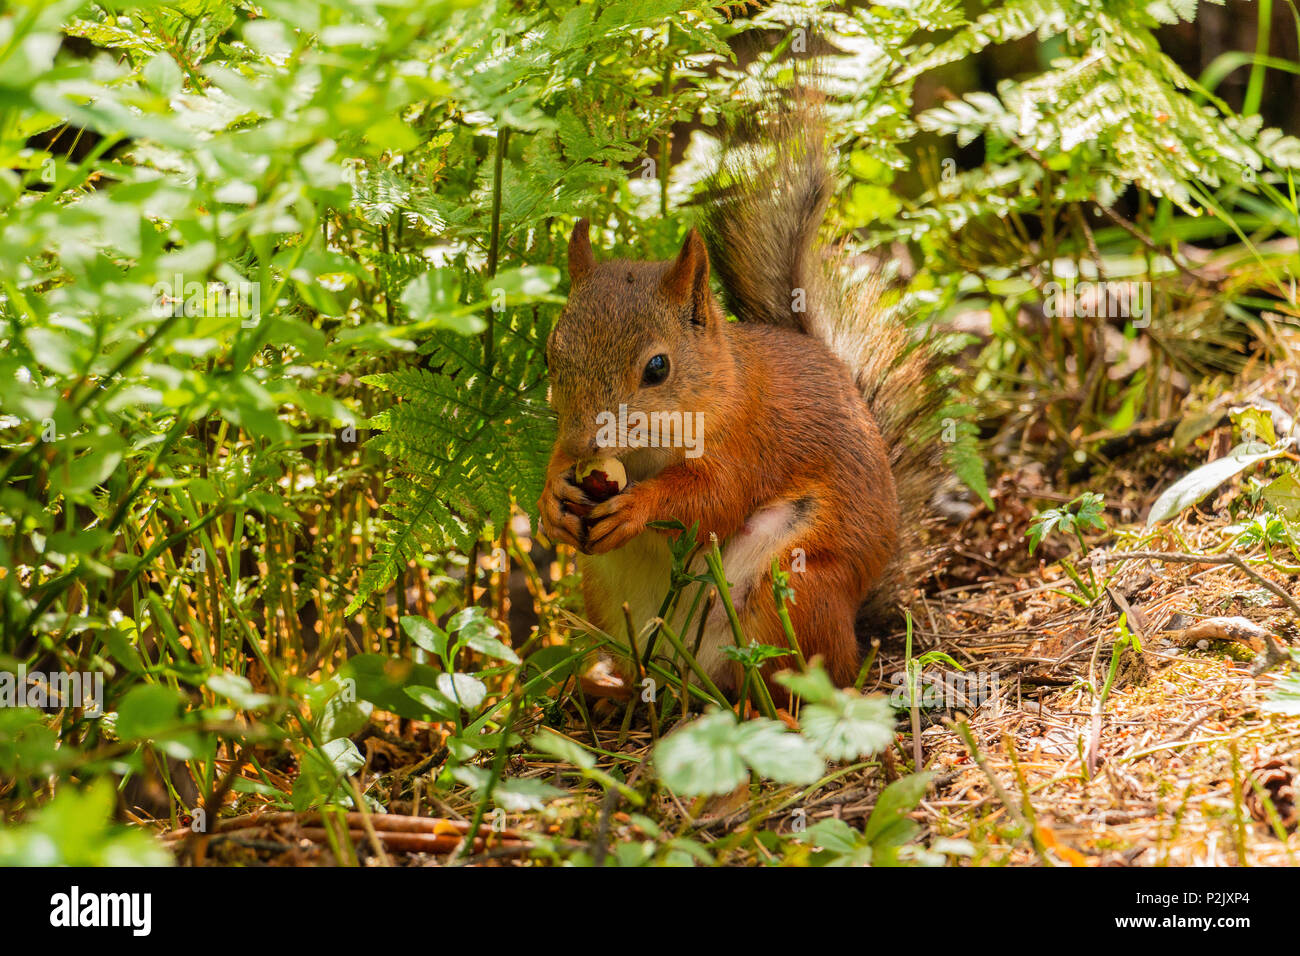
(550, 742)
(322, 777)
(383, 680)
(163, 75)
(715, 754)
(754, 654)
(774, 752)
(490, 647)
(1255, 424)
(424, 634)
(343, 718)
(814, 685)
(239, 690)
(433, 700)
(478, 631)
(28, 747)
(429, 300)
(702, 758)
(888, 823)
(514, 794)
(466, 690)
(1195, 485)
(849, 726)
(1284, 698)
(524, 283)
(839, 844)
(1283, 493)
(968, 465)
(460, 465)
(147, 710)
(76, 829)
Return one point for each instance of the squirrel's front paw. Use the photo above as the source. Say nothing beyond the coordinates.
(615, 522)
(561, 525)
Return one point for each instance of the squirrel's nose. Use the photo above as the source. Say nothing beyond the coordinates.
(580, 447)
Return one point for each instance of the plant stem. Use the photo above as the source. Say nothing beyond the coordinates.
(494, 246)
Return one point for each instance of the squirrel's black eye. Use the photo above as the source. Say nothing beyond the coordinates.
(656, 370)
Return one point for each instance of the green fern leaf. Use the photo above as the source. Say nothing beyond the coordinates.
(466, 444)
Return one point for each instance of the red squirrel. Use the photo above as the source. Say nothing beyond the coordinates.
(816, 409)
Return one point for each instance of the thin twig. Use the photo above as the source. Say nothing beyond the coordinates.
(1182, 557)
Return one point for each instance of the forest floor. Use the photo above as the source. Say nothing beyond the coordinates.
(1178, 763)
(1161, 772)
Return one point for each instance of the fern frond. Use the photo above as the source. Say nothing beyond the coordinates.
(466, 442)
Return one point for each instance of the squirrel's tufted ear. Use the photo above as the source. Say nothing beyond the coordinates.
(581, 260)
(687, 278)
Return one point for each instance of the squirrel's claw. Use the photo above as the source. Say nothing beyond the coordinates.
(614, 523)
(561, 525)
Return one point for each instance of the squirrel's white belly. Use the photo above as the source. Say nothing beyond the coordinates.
(638, 574)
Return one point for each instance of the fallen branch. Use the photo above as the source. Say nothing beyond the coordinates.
(410, 842)
(383, 823)
(1239, 630)
(1182, 557)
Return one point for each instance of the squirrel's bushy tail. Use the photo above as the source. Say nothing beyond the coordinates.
(764, 210)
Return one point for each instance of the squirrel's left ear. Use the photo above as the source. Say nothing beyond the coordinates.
(687, 279)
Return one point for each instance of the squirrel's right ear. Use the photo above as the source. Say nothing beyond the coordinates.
(581, 259)
(687, 278)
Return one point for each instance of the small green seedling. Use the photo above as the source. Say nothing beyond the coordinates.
(1082, 514)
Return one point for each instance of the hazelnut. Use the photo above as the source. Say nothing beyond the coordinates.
(601, 479)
